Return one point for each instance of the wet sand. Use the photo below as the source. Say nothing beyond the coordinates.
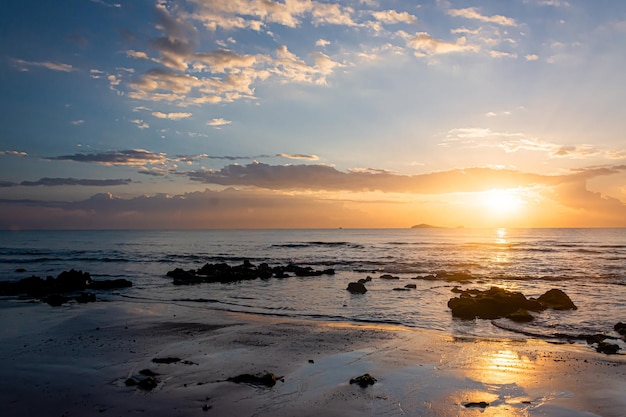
(74, 361)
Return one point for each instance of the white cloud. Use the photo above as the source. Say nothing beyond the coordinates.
(78, 122)
(426, 45)
(531, 57)
(171, 116)
(140, 124)
(218, 122)
(472, 13)
(392, 17)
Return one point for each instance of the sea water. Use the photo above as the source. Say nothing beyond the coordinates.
(588, 264)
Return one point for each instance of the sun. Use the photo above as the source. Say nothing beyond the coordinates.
(502, 202)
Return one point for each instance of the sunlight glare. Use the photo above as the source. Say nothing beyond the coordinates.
(503, 202)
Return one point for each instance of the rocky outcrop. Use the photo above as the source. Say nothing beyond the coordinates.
(62, 289)
(267, 379)
(364, 380)
(356, 288)
(224, 273)
(496, 303)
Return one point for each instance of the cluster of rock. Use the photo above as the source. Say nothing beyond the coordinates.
(58, 291)
(497, 303)
(224, 273)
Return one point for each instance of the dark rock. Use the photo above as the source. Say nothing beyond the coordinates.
(148, 383)
(401, 289)
(356, 288)
(410, 286)
(131, 382)
(481, 404)
(364, 380)
(56, 300)
(557, 300)
(20, 270)
(268, 379)
(497, 303)
(389, 277)
(520, 316)
(166, 360)
(607, 348)
(594, 338)
(224, 273)
(489, 304)
(620, 328)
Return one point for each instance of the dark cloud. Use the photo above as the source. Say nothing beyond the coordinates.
(132, 157)
(323, 177)
(7, 184)
(53, 182)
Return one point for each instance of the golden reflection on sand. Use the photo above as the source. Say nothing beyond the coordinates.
(503, 367)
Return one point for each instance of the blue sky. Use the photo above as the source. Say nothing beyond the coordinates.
(301, 113)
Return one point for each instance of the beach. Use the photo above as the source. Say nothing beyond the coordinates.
(75, 360)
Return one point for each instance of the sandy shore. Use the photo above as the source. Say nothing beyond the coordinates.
(74, 361)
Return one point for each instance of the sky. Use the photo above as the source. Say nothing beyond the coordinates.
(152, 114)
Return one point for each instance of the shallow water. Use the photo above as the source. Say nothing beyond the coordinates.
(588, 264)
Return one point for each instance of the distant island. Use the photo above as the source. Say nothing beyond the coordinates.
(426, 226)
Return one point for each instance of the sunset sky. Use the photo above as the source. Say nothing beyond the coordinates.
(303, 113)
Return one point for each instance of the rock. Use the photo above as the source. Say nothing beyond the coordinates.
(148, 383)
(410, 286)
(481, 404)
(131, 382)
(557, 300)
(20, 270)
(166, 360)
(620, 328)
(401, 289)
(489, 304)
(389, 277)
(56, 300)
(607, 348)
(520, 316)
(364, 380)
(356, 288)
(224, 273)
(147, 372)
(267, 379)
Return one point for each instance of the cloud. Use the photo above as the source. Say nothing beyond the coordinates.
(326, 178)
(77, 122)
(229, 208)
(218, 122)
(140, 124)
(54, 182)
(426, 45)
(298, 156)
(531, 57)
(171, 116)
(132, 157)
(13, 153)
(103, 3)
(393, 17)
(54, 66)
(472, 13)
(322, 42)
(501, 54)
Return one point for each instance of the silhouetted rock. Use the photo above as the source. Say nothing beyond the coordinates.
(490, 304)
(364, 380)
(224, 273)
(401, 289)
(557, 300)
(389, 277)
(267, 379)
(620, 328)
(67, 282)
(480, 404)
(356, 288)
(607, 348)
(410, 286)
(56, 300)
(166, 360)
(520, 316)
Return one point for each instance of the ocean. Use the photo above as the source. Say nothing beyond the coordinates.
(587, 264)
